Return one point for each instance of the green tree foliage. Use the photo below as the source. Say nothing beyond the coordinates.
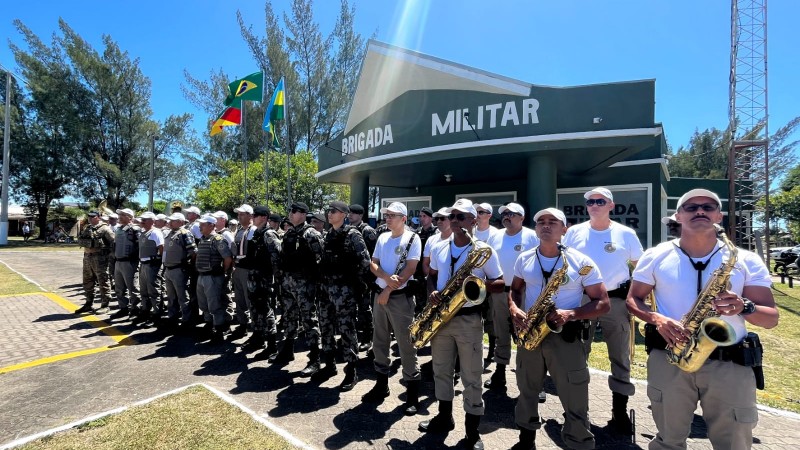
(224, 189)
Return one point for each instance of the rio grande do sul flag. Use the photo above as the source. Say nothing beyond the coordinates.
(229, 117)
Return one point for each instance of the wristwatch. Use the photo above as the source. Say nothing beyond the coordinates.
(749, 307)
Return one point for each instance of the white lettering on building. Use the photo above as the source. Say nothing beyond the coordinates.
(366, 140)
(513, 113)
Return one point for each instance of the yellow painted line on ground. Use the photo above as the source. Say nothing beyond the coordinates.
(20, 295)
(118, 336)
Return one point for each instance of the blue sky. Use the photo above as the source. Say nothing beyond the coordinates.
(684, 45)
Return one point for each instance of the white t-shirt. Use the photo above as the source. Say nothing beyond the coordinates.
(570, 293)
(611, 249)
(441, 256)
(508, 249)
(675, 279)
(388, 251)
(156, 236)
(227, 235)
(432, 241)
(487, 234)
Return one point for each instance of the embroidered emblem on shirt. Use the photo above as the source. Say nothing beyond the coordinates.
(609, 248)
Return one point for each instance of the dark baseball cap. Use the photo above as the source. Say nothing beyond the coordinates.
(301, 206)
(357, 209)
(339, 206)
(319, 216)
(427, 211)
(261, 211)
(274, 217)
(93, 214)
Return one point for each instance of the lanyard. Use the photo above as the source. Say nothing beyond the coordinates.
(699, 266)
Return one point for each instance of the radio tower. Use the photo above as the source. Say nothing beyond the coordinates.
(748, 162)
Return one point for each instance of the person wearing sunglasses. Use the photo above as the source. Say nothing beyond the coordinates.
(425, 231)
(301, 252)
(562, 354)
(612, 246)
(673, 227)
(725, 385)
(508, 245)
(394, 261)
(442, 222)
(462, 335)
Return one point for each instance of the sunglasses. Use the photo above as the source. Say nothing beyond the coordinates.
(596, 201)
(296, 210)
(390, 216)
(483, 213)
(459, 217)
(509, 214)
(332, 211)
(439, 219)
(706, 207)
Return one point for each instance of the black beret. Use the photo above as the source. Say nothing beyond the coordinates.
(427, 211)
(340, 206)
(357, 209)
(261, 211)
(275, 217)
(319, 216)
(301, 206)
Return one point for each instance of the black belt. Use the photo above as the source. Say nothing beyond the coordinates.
(507, 289)
(211, 272)
(621, 291)
(404, 291)
(469, 311)
(179, 266)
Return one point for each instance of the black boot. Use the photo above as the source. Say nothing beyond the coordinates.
(473, 438)
(286, 355)
(527, 440)
(313, 363)
(498, 380)
(271, 352)
(122, 312)
(619, 414)
(412, 398)
(350, 377)
(87, 307)
(328, 371)
(378, 392)
(253, 343)
(442, 422)
(488, 360)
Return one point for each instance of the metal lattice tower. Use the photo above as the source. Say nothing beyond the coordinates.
(747, 112)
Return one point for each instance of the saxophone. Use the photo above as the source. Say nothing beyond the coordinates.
(536, 326)
(462, 289)
(707, 330)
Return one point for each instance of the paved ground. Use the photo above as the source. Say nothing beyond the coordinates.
(34, 397)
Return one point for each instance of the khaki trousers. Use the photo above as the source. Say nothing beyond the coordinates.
(726, 392)
(502, 327)
(462, 336)
(616, 326)
(397, 314)
(566, 362)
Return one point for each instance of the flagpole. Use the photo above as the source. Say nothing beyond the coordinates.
(266, 153)
(244, 147)
(287, 146)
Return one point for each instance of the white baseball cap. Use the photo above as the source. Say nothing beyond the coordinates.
(600, 190)
(192, 209)
(126, 211)
(113, 216)
(513, 207)
(464, 205)
(442, 212)
(220, 215)
(698, 193)
(485, 207)
(668, 219)
(395, 207)
(177, 216)
(553, 212)
(161, 217)
(147, 215)
(207, 219)
(245, 208)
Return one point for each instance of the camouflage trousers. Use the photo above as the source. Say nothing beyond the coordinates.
(95, 273)
(337, 312)
(298, 304)
(149, 287)
(364, 295)
(261, 313)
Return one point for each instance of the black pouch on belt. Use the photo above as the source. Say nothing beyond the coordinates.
(751, 355)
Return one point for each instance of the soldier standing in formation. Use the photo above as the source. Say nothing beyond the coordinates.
(301, 252)
(364, 287)
(263, 251)
(180, 251)
(214, 259)
(192, 214)
(151, 245)
(242, 267)
(345, 260)
(97, 239)
(126, 261)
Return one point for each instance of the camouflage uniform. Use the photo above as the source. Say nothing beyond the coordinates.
(345, 259)
(301, 252)
(96, 241)
(179, 247)
(363, 288)
(264, 249)
(126, 256)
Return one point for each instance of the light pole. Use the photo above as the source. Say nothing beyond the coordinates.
(6, 164)
(152, 173)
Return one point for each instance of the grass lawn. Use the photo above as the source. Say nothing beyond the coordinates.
(11, 283)
(781, 353)
(16, 243)
(192, 419)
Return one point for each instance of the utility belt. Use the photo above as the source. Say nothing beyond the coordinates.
(749, 352)
(153, 261)
(576, 330)
(177, 266)
(212, 272)
(621, 291)
(469, 311)
(124, 259)
(404, 291)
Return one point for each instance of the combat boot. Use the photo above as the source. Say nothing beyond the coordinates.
(473, 438)
(527, 440)
(313, 363)
(619, 414)
(286, 355)
(350, 377)
(253, 343)
(122, 312)
(492, 345)
(497, 382)
(328, 371)
(442, 422)
(378, 392)
(87, 307)
(412, 398)
(272, 348)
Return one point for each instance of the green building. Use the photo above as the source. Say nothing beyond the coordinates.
(429, 131)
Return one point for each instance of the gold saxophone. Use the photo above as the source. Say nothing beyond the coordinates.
(707, 330)
(462, 289)
(536, 325)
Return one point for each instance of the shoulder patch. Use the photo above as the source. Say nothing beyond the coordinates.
(585, 270)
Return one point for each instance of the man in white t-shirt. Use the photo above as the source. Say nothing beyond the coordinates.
(725, 384)
(483, 230)
(440, 219)
(462, 335)
(508, 245)
(394, 261)
(614, 248)
(561, 354)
